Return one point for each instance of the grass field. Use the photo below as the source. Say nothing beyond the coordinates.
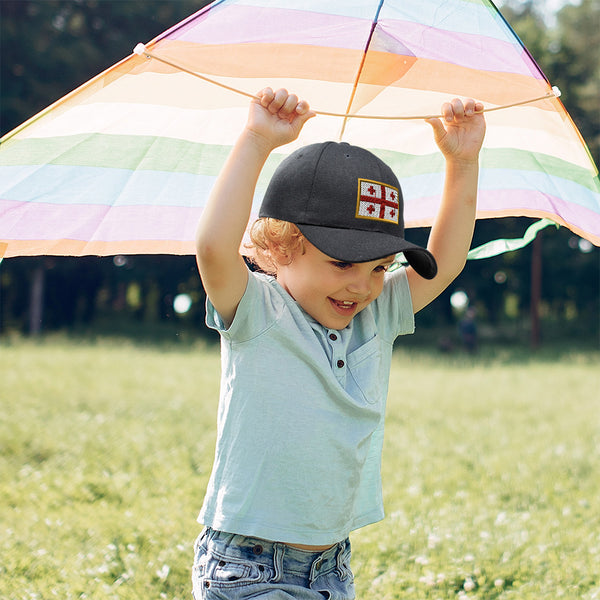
(491, 473)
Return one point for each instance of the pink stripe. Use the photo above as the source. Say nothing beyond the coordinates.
(466, 49)
(514, 202)
(28, 220)
(247, 25)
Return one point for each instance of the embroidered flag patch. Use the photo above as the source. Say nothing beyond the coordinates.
(377, 201)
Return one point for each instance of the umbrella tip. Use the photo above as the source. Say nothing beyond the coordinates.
(139, 49)
(556, 91)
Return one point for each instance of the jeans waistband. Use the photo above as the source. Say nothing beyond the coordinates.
(278, 555)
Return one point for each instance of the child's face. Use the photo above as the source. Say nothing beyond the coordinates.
(330, 291)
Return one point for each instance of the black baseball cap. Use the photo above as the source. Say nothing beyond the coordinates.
(347, 202)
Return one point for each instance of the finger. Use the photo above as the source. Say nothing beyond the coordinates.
(304, 113)
(265, 96)
(302, 107)
(458, 108)
(469, 105)
(439, 131)
(278, 101)
(289, 106)
(303, 110)
(447, 112)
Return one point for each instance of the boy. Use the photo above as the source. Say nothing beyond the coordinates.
(306, 351)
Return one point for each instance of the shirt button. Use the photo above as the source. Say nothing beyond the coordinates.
(333, 336)
(340, 363)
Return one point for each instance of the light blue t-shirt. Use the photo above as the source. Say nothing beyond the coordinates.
(301, 412)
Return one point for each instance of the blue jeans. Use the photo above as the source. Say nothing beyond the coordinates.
(234, 567)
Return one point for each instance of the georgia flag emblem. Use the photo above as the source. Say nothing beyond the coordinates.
(377, 201)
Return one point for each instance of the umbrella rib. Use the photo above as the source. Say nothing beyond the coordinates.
(140, 49)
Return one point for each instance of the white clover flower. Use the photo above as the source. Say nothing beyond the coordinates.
(469, 585)
(163, 572)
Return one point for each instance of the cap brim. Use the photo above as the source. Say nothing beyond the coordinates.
(355, 245)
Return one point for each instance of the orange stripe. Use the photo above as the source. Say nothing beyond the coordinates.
(177, 247)
(339, 65)
(97, 248)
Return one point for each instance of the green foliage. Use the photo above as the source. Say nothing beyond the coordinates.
(568, 52)
(490, 473)
(49, 47)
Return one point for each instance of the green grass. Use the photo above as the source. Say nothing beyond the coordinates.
(490, 473)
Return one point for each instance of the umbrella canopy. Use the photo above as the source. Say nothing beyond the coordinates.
(125, 163)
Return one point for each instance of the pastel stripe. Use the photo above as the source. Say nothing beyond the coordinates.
(99, 222)
(159, 157)
(68, 247)
(526, 129)
(246, 20)
(184, 191)
(164, 224)
(294, 61)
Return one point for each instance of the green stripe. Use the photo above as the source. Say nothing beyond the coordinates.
(180, 156)
(116, 152)
(406, 165)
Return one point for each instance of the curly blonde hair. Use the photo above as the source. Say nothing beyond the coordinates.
(274, 242)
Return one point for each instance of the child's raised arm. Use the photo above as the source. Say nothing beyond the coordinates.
(275, 119)
(459, 138)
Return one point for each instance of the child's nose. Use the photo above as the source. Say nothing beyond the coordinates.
(360, 286)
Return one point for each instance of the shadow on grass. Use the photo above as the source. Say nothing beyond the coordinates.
(438, 345)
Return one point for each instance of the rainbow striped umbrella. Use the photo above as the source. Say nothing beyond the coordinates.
(125, 163)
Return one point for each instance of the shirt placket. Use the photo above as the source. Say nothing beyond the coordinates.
(338, 356)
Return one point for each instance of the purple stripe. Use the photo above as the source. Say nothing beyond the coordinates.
(464, 49)
(28, 220)
(517, 202)
(246, 25)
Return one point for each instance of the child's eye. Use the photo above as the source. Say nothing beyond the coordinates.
(381, 268)
(341, 265)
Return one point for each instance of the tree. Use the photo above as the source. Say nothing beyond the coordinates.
(574, 63)
(49, 47)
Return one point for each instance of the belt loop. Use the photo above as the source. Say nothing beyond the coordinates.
(278, 551)
(339, 554)
(316, 566)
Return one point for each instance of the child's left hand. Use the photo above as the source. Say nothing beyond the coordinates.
(460, 136)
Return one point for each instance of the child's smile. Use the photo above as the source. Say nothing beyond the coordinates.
(344, 307)
(332, 292)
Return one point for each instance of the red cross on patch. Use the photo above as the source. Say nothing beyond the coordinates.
(377, 201)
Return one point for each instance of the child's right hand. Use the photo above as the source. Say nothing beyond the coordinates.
(277, 117)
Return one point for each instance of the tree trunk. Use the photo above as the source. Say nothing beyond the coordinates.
(536, 290)
(36, 300)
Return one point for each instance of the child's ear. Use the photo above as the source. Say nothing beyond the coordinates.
(284, 254)
(280, 255)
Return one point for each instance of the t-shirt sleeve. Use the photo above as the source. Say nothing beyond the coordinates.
(257, 311)
(393, 308)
